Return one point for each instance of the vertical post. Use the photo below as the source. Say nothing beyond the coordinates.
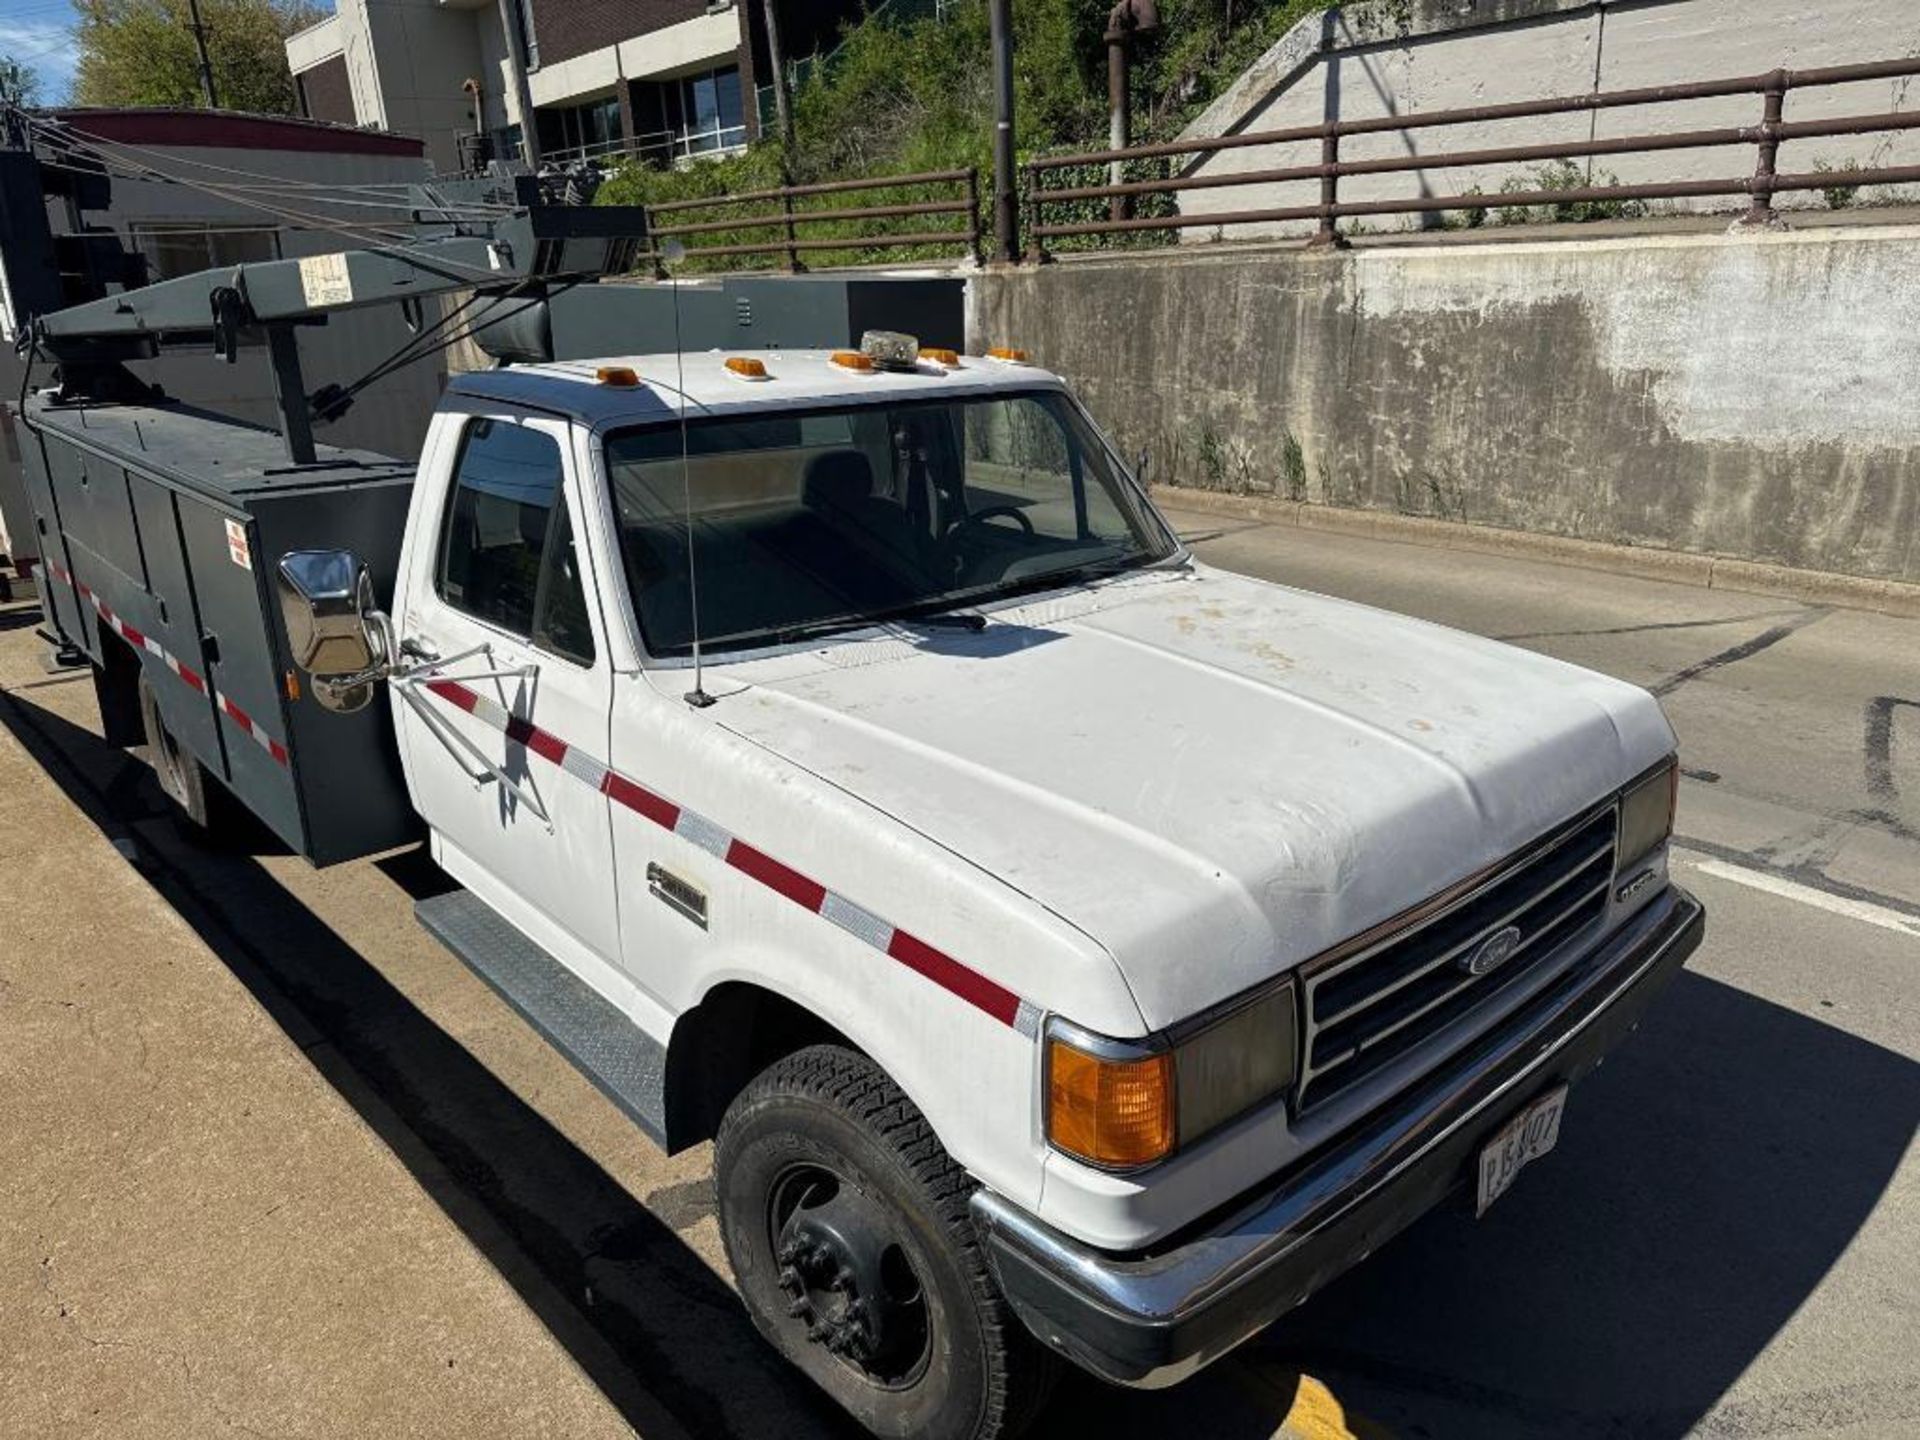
(1006, 218)
(1119, 118)
(511, 34)
(1761, 211)
(200, 46)
(973, 214)
(794, 267)
(1328, 234)
(1036, 242)
(290, 394)
(777, 62)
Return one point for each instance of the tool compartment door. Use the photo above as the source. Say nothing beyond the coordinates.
(165, 614)
(243, 668)
(60, 601)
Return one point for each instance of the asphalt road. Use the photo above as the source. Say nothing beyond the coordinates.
(1726, 1242)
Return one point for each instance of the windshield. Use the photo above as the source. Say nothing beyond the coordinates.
(805, 522)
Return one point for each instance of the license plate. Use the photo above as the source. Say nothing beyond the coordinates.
(1523, 1139)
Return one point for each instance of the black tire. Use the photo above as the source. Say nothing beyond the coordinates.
(966, 1369)
(176, 767)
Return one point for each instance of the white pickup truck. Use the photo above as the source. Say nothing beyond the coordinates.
(1071, 949)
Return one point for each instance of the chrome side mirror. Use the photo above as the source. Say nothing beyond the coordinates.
(338, 636)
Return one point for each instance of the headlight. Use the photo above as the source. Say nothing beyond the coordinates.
(1121, 1104)
(1646, 814)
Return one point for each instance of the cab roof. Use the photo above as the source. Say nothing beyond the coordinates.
(796, 379)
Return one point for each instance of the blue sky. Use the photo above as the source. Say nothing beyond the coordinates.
(39, 34)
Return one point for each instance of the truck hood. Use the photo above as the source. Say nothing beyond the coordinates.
(1212, 777)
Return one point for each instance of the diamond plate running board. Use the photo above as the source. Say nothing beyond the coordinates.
(626, 1064)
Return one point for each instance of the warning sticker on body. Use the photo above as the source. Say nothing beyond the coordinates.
(237, 548)
(324, 280)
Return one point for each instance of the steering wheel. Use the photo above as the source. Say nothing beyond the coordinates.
(980, 517)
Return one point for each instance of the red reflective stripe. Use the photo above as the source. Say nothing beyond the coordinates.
(240, 717)
(547, 746)
(623, 791)
(134, 637)
(809, 894)
(931, 964)
(277, 750)
(192, 677)
(543, 743)
(454, 693)
(950, 974)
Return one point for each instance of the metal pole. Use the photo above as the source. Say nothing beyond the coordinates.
(777, 61)
(200, 45)
(794, 267)
(1006, 216)
(1760, 211)
(290, 394)
(1328, 233)
(517, 71)
(1120, 118)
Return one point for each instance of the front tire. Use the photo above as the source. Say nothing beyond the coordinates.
(847, 1227)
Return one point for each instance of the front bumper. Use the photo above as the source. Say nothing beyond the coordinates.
(1152, 1320)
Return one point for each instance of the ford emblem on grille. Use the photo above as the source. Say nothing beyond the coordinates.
(1491, 953)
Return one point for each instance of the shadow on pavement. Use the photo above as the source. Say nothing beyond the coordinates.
(663, 1337)
(1708, 1177)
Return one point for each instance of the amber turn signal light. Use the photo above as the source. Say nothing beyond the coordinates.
(616, 375)
(1116, 1113)
(852, 360)
(1008, 354)
(948, 358)
(746, 367)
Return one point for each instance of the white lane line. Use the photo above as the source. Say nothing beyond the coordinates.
(1860, 910)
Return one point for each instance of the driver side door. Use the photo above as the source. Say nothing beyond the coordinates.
(502, 606)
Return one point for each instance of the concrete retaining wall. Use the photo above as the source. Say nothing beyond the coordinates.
(1752, 396)
(1398, 57)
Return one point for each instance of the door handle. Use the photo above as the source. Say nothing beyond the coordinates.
(419, 650)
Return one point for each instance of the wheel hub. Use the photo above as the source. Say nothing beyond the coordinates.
(847, 1279)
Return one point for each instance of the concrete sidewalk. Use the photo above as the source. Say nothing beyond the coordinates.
(197, 1233)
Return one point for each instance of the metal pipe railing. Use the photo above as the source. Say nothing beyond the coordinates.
(1761, 185)
(789, 220)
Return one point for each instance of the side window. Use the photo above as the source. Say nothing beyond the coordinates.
(507, 555)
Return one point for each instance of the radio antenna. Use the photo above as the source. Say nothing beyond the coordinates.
(673, 252)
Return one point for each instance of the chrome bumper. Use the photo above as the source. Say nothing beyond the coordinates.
(1152, 1320)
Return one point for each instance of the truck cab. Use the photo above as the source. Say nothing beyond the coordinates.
(1073, 950)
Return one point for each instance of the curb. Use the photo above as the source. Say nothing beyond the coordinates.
(1680, 567)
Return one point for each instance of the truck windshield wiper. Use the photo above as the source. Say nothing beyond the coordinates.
(959, 620)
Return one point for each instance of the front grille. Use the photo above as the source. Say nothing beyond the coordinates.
(1368, 1009)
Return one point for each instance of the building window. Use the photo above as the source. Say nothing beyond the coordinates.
(581, 132)
(690, 115)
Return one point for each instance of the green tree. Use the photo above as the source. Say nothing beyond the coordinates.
(18, 85)
(141, 52)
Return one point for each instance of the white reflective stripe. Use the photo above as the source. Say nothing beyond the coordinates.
(704, 833)
(584, 767)
(1027, 1019)
(489, 712)
(863, 924)
(156, 648)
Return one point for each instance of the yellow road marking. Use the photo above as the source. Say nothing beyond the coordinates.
(1315, 1414)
